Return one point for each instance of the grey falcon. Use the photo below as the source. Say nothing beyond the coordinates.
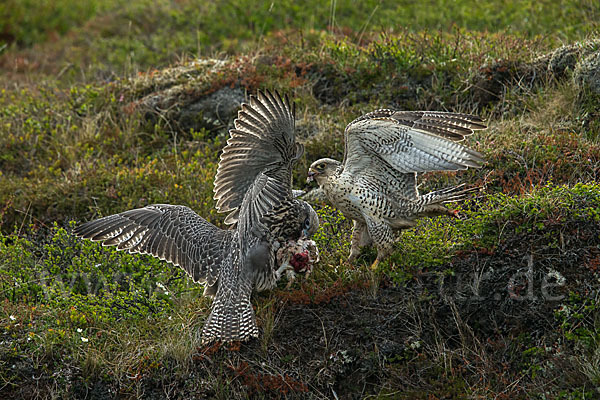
(376, 184)
(253, 184)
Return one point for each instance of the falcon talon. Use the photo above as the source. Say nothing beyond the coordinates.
(455, 214)
(375, 264)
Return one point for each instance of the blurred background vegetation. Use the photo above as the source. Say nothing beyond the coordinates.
(123, 37)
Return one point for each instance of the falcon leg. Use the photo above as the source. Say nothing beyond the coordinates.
(360, 238)
(432, 210)
(383, 237)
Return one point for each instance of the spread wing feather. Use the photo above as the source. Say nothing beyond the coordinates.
(411, 141)
(172, 233)
(454, 126)
(261, 148)
(264, 195)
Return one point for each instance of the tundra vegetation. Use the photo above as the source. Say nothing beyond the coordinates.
(112, 105)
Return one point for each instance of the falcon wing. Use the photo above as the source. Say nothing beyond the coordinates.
(262, 143)
(265, 194)
(411, 141)
(172, 233)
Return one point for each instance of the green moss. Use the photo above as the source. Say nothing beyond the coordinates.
(57, 270)
(484, 225)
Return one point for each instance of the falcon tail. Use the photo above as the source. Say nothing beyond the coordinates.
(230, 321)
(448, 195)
(433, 202)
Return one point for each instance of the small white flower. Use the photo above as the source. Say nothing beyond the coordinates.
(415, 345)
(12, 317)
(79, 330)
(84, 339)
(170, 318)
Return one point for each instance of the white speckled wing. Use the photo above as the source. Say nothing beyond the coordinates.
(262, 143)
(411, 141)
(172, 233)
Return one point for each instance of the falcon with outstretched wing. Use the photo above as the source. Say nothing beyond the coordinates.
(376, 184)
(253, 184)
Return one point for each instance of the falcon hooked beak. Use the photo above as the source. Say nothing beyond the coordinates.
(311, 175)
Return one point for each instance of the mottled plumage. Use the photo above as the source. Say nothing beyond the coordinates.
(376, 184)
(253, 184)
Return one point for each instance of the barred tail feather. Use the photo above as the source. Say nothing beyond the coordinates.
(448, 195)
(230, 321)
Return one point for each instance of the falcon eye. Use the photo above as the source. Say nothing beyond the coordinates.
(306, 223)
(320, 167)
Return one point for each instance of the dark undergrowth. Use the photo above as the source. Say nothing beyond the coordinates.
(502, 303)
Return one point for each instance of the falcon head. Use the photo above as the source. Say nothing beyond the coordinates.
(310, 220)
(293, 221)
(321, 169)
